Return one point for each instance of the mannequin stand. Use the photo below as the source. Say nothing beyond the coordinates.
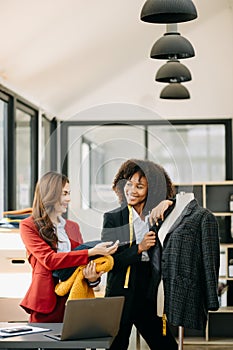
(181, 338)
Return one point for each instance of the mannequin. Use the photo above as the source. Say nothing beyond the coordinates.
(189, 264)
(182, 200)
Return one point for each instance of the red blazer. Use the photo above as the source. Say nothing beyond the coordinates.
(40, 296)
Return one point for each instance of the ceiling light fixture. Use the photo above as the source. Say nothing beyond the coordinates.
(173, 72)
(168, 11)
(172, 45)
(175, 91)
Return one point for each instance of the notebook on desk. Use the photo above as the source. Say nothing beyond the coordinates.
(90, 318)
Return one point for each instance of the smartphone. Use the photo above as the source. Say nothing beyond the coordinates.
(16, 330)
(111, 245)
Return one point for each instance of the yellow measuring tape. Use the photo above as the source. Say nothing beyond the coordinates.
(164, 320)
(130, 243)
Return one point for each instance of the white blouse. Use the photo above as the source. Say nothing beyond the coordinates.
(141, 227)
(63, 239)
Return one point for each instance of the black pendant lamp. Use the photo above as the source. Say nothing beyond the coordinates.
(175, 91)
(172, 45)
(168, 11)
(173, 72)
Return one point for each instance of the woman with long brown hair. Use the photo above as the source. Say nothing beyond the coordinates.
(45, 234)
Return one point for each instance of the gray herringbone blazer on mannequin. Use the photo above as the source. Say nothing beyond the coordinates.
(190, 267)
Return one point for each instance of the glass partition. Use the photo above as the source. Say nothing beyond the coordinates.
(18, 151)
(23, 160)
(3, 114)
(189, 152)
(45, 156)
(94, 155)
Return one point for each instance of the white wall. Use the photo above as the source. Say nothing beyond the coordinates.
(211, 87)
(80, 54)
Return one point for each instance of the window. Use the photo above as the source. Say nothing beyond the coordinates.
(3, 115)
(91, 154)
(23, 160)
(26, 159)
(48, 154)
(190, 153)
(19, 151)
(94, 154)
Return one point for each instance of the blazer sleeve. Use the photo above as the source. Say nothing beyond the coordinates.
(125, 255)
(211, 259)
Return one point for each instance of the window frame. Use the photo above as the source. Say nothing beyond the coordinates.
(175, 122)
(15, 102)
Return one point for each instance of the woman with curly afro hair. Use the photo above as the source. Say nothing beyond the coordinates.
(140, 186)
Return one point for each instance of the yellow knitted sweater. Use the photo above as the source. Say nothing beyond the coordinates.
(76, 284)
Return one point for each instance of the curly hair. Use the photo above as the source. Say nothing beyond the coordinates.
(47, 193)
(160, 186)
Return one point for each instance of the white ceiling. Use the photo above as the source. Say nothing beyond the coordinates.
(67, 56)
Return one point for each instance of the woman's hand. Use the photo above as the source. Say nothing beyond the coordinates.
(158, 212)
(148, 241)
(103, 248)
(89, 272)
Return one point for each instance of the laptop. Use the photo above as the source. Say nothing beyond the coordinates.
(91, 318)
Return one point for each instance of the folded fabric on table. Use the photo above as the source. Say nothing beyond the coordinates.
(12, 218)
(18, 212)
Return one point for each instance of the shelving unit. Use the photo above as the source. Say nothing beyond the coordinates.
(216, 196)
(15, 274)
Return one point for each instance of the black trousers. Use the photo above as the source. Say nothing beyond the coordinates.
(141, 312)
(150, 328)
